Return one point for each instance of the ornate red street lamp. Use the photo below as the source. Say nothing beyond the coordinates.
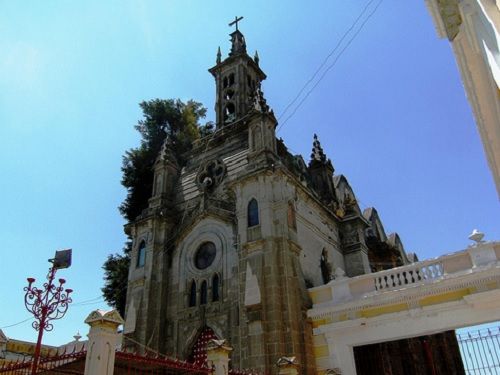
(48, 304)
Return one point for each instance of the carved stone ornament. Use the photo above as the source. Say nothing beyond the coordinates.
(211, 175)
(104, 316)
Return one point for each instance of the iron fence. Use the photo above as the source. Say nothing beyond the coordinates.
(480, 351)
(47, 365)
(126, 363)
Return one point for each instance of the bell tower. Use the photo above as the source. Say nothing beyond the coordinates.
(237, 78)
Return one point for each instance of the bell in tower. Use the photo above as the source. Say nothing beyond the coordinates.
(237, 79)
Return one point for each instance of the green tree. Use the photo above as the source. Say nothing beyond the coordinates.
(171, 121)
(116, 278)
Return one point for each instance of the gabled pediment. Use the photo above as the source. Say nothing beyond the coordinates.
(376, 228)
(347, 200)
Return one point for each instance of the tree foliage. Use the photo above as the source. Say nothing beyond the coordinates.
(116, 279)
(171, 121)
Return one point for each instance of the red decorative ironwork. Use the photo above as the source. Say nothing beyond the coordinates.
(125, 363)
(199, 351)
(47, 304)
(25, 366)
(149, 364)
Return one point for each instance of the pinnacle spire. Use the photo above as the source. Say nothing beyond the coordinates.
(256, 57)
(317, 152)
(219, 56)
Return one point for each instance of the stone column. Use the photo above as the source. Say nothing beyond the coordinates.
(103, 338)
(218, 356)
(287, 366)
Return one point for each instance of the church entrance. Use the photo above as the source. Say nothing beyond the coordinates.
(436, 354)
(199, 351)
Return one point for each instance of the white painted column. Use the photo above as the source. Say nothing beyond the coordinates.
(218, 356)
(341, 356)
(103, 338)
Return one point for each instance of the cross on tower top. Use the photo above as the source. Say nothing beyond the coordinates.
(235, 22)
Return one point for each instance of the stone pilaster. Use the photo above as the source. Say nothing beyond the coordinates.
(218, 356)
(103, 338)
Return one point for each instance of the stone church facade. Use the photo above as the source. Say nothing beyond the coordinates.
(231, 242)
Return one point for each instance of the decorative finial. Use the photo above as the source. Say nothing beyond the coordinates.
(77, 337)
(219, 55)
(256, 57)
(235, 22)
(476, 236)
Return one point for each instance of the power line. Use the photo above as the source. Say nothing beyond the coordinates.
(332, 64)
(326, 59)
(87, 300)
(88, 303)
(16, 324)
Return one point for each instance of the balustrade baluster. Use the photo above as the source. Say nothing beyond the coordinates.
(411, 279)
(434, 273)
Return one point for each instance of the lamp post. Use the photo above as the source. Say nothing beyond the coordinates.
(49, 303)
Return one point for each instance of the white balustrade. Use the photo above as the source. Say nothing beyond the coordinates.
(407, 275)
(428, 271)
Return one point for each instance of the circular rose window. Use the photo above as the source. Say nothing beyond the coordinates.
(205, 255)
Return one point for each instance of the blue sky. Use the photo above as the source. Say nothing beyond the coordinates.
(391, 114)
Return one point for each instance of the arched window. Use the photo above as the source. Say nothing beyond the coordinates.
(192, 294)
(141, 255)
(253, 213)
(229, 112)
(203, 293)
(215, 288)
(325, 267)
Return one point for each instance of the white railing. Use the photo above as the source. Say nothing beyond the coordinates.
(344, 289)
(408, 275)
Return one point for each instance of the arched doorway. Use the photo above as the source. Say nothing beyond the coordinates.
(199, 350)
